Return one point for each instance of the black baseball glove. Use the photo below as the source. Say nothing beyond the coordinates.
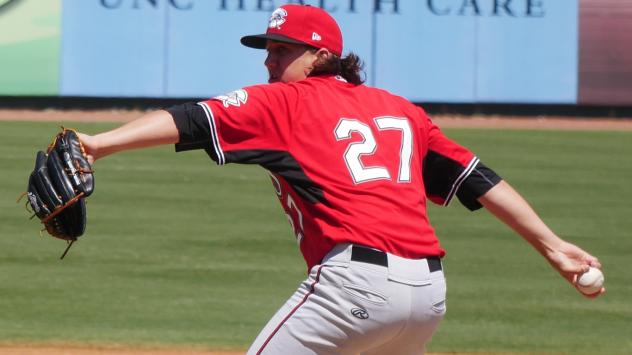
(61, 180)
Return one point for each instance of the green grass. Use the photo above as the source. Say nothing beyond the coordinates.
(180, 252)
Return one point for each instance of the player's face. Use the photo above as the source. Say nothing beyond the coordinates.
(288, 62)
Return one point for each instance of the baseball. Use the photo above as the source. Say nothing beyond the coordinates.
(591, 281)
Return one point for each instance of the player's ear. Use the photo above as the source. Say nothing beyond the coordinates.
(322, 55)
(322, 63)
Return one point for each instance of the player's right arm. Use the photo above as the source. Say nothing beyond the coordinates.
(512, 209)
(152, 129)
(482, 187)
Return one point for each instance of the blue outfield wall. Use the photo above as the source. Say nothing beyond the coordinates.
(470, 51)
(523, 53)
(112, 53)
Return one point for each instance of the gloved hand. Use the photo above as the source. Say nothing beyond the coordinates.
(61, 180)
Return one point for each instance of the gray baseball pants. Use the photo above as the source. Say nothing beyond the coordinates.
(359, 307)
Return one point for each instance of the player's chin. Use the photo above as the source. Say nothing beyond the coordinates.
(273, 77)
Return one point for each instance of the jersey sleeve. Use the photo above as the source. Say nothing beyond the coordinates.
(481, 180)
(193, 128)
(446, 165)
(246, 122)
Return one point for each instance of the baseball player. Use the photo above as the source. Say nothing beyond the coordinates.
(353, 168)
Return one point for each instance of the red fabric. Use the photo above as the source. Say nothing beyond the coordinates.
(322, 122)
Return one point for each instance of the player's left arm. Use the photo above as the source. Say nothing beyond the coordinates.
(152, 129)
(512, 209)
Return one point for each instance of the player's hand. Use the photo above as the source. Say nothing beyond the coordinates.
(571, 261)
(90, 146)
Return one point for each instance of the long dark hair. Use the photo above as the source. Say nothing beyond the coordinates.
(349, 67)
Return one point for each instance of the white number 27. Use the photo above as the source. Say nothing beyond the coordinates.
(368, 146)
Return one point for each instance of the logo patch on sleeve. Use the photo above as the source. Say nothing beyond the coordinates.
(235, 98)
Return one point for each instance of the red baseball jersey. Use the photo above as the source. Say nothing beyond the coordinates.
(349, 163)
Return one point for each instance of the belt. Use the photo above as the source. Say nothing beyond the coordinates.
(376, 257)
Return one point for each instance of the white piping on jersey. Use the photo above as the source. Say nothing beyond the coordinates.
(214, 136)
(457, 183)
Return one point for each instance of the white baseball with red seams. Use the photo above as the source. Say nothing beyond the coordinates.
(591, 281)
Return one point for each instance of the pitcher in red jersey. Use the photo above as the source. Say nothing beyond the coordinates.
(353, 168)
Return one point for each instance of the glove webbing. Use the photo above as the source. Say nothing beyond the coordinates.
(61, 208)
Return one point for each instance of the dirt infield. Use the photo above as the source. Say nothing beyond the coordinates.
(71, 350)
(444, 121)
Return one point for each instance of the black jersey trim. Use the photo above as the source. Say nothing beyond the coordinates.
(193, 128)
(221, 160)
(459, 180)
(283, 164)
(481, 180)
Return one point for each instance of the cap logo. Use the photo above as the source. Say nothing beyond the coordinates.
(316, 36)
(277, 18)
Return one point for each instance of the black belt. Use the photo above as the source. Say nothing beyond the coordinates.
(376, 257)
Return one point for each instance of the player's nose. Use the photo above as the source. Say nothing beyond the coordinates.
(270, 62)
